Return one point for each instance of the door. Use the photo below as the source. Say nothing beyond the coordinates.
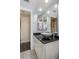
(53, 24)
(24, 31)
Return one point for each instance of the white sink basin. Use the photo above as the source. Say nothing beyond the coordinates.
(47, 34)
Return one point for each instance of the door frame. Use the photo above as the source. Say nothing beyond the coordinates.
(28, 10)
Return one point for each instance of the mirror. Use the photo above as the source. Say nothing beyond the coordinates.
(47, 24)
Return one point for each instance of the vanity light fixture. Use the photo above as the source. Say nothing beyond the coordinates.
(46, 1)
(55, 5)
(39, 9)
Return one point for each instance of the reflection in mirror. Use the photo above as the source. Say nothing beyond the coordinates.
(49, 21)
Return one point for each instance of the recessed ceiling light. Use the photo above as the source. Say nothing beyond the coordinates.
(48, 12)
(46, 1)
(55, 6)
(39, 9)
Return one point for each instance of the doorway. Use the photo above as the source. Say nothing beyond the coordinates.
(25, 20)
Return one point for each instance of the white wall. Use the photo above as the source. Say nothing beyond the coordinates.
(25, 28)
(25, 5)
(34, 23)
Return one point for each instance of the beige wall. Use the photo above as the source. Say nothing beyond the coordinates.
(25, 28)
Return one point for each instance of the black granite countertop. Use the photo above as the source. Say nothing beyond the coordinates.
(44, 39)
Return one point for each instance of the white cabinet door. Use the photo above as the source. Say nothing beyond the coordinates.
(52, 50)
(40, 49)
(40, 52)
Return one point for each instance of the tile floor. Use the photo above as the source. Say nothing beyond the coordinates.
(27, 55)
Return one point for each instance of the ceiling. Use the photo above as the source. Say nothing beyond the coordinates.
(36, 4)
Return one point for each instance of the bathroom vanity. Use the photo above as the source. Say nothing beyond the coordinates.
(46, 48)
